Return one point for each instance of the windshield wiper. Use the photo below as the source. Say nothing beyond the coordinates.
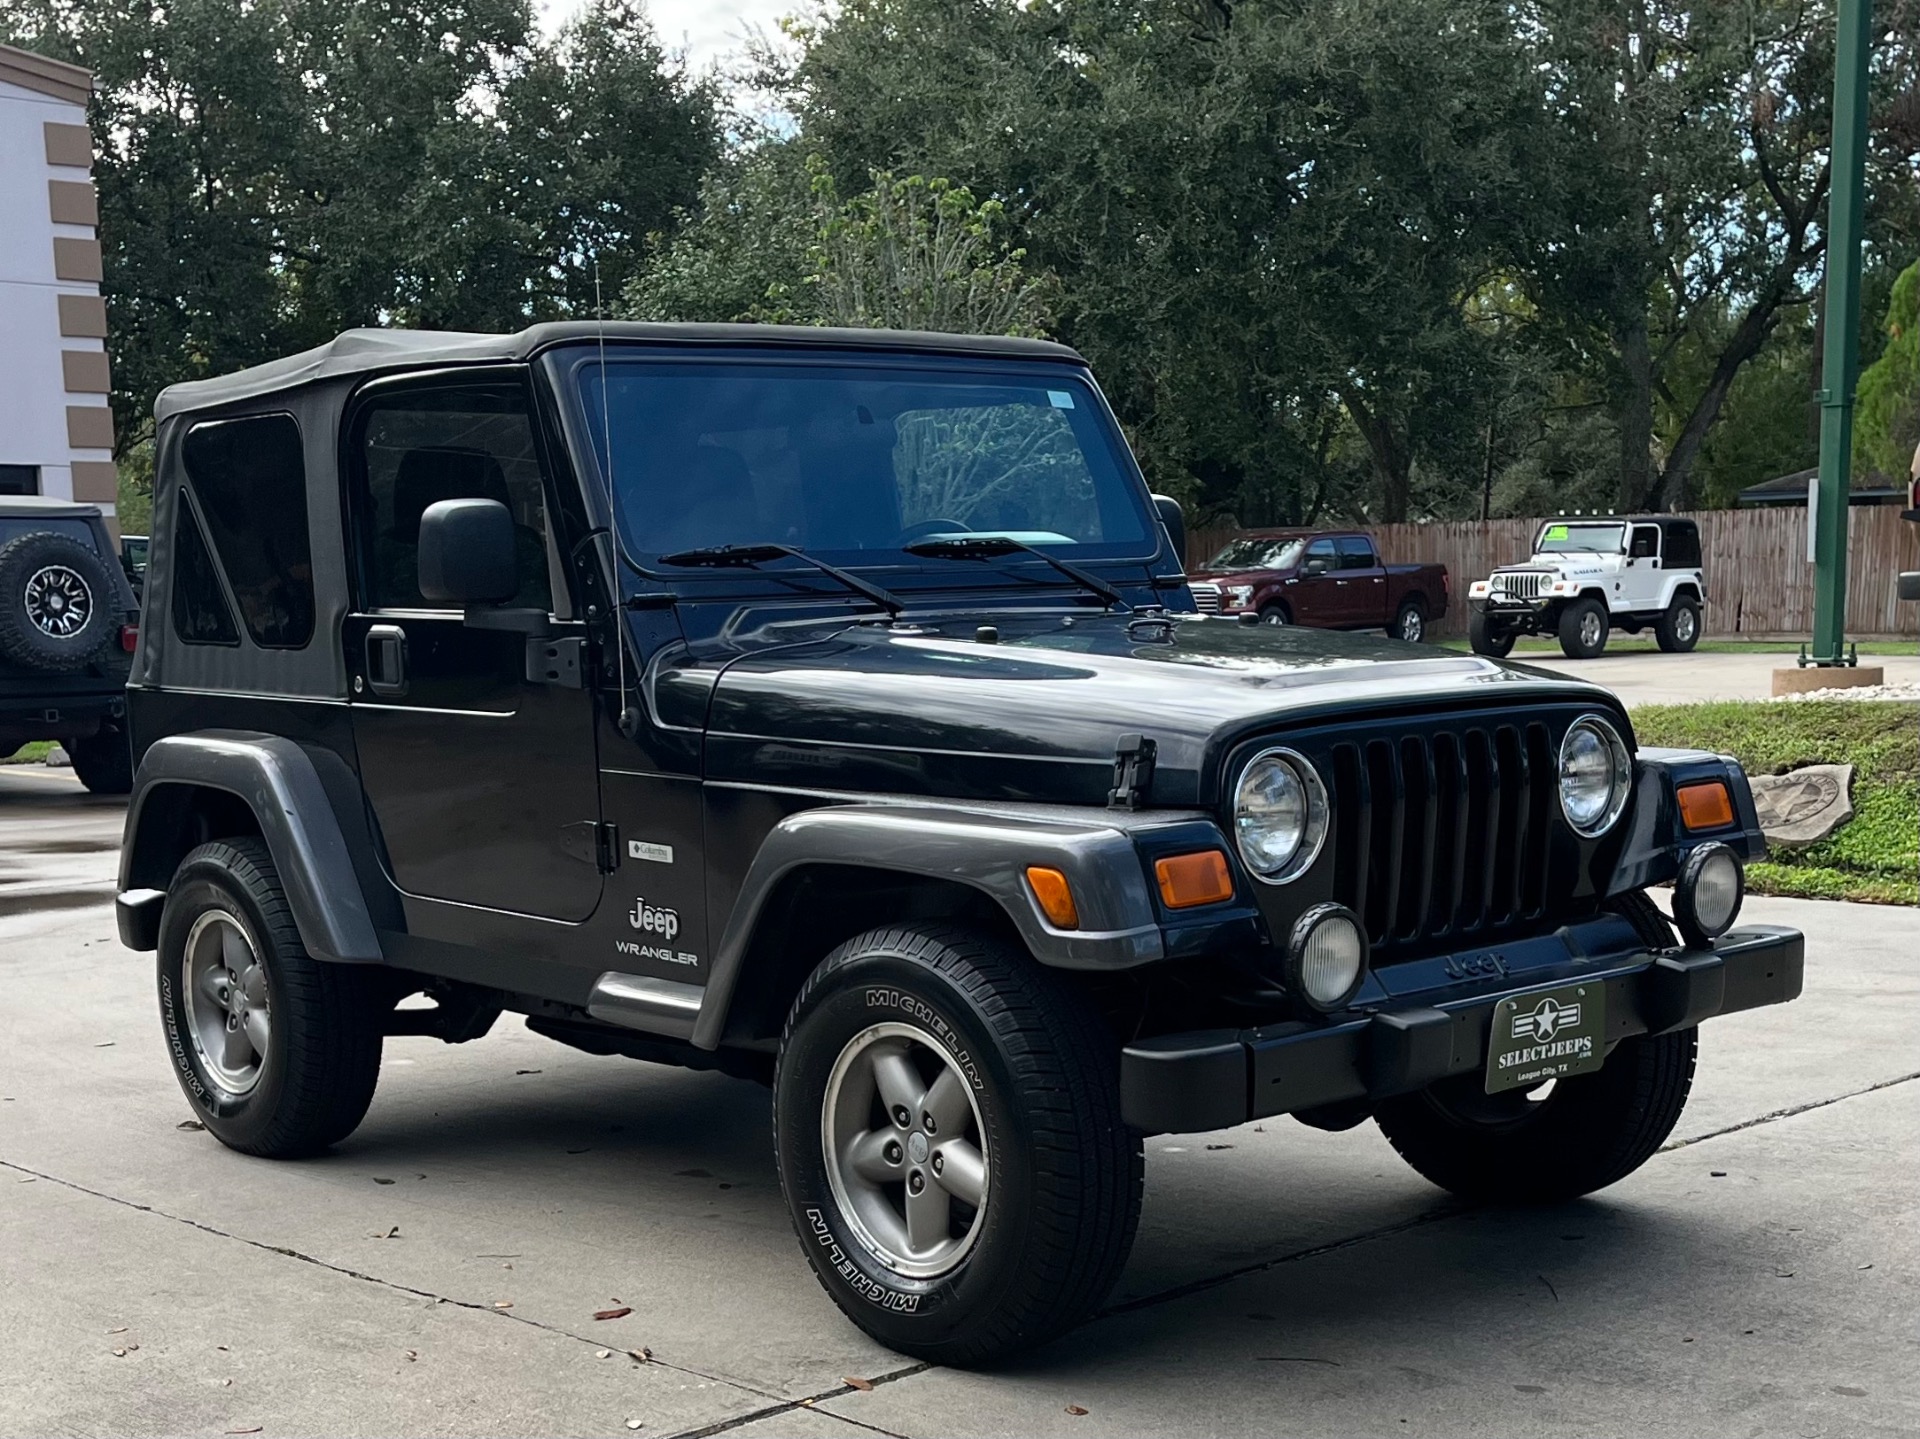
(987, 547)
(747, 556)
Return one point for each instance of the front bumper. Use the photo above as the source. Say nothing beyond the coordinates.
(1213, 1079)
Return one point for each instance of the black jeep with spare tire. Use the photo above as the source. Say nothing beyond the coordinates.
(828, 708)
(68, 619)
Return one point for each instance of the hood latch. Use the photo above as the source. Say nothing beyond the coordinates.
(1132, 772)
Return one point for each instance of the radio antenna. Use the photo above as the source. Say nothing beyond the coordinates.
(629, 711)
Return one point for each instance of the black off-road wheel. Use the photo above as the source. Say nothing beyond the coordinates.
(1410, 624)
(1678, 629)
(277, 1053)
(1564, 1139)
(1487, 638)
(103, 761)
(56, 603)
(947, 1123)
(1583, 629)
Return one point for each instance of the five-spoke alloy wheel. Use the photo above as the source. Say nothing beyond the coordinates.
(229, 1015)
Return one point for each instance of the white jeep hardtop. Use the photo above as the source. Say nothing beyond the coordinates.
(1590, 575)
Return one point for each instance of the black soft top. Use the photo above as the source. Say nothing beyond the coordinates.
(358, 352)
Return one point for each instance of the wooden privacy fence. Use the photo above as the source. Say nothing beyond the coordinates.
(1758, 578)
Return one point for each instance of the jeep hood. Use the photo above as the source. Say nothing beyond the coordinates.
(927, 708)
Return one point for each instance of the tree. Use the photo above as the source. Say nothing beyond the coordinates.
(1887, 409)
(273, 172)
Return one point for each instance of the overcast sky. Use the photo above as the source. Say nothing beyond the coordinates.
(706, 29)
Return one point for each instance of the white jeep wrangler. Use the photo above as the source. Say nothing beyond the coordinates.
(1590, 576)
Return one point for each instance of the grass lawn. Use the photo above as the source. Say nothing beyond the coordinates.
(1645, 644)
(31, 753)
(1876, 855)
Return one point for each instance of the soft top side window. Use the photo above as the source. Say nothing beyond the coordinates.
(414, 446)
(249, 476)
(1646, 542)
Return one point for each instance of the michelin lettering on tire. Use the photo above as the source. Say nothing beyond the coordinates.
(921, 1012)
(857, 1279)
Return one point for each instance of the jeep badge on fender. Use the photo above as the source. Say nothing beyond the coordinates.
(829, 708)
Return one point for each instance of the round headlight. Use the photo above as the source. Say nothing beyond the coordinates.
(1596, 776)
(1279, 815)
(1706, 899)
(1326, 956)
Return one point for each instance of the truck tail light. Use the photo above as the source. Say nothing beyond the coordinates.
(129, 637)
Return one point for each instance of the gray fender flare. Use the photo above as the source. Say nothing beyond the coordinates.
(988, 851)
(277, 780)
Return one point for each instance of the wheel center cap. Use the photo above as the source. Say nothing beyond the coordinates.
(917, 1147)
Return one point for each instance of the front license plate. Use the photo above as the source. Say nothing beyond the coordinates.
(1545, 1036)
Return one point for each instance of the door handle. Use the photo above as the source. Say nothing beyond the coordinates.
(387, 660)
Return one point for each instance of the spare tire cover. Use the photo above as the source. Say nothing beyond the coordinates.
(59, 608)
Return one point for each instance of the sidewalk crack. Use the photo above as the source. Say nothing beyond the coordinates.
(1792, 1109)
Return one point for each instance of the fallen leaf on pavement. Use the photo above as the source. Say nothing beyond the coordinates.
(1075, 1409)
(633, 1424)
(119, 1354)
(393, 1233)
(121, 1330)
(412, 1355)
(621, 1313)
(526, 1071)
(503, 1304)
(104, 1044)
(189, 1124)
(604, 1354)
(383, 1181)
(640, 1355)
(1219, 1146)
(226, 1384)
(865, 1386)
(254, 1430)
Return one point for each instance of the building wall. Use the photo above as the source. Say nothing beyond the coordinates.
(53, 363)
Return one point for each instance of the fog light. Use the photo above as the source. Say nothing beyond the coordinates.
(1326, 956)
(1706, 899)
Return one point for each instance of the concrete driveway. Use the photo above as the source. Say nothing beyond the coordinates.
(439, 1272)
(1651, 678)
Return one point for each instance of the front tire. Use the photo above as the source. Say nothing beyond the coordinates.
(277, 1053)
(1275, 614)
(947, 1125)
(1678, 629)
(1583, 629)
(1488, 639)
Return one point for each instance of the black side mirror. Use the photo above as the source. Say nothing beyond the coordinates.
(1910, 585)
(1317, 565)
(1175, 519)
(467, 553)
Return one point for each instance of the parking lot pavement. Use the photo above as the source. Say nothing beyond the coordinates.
(1652, 678)
(59, 845)
(439, 1272)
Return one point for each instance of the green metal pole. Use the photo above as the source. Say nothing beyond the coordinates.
(1841, 366)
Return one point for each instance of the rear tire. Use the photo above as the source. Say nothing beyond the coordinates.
(1678, 630)
(103, 761)
(1410, 624)
(277, 1053)
(1030, 1084)
(1487, 639)
(1583, 629)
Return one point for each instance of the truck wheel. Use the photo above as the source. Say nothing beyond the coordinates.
(1583, 629)
(103, 761)
(278, 1053)
(1567, 1138)
(56, 603)
(1410, 624)
(1487, 639)
(1678, 630)
(1275, 614)
(947, 1125)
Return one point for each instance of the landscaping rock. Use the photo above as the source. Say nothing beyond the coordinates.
(1805, 805)
(57, 758)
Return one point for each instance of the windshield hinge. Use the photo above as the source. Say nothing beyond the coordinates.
(594, 842)
(1132, 772)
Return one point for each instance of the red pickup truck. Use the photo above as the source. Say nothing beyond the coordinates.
(1329, 579)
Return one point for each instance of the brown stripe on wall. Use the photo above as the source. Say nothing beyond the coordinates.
(76, 259)
(86, 372)
(73, 202)
(83, 317)
(95, 482)
(69, 145)
(90, 427)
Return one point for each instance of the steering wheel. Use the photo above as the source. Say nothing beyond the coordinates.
(931, 527)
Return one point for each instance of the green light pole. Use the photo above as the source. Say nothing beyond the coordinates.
(1842, 361)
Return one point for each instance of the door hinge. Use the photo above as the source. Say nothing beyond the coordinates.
(594, 842)
(555, 662)
(1132, 772)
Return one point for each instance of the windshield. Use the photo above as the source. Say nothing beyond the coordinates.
(844, 462)
(1556, 539)
(1258, 554)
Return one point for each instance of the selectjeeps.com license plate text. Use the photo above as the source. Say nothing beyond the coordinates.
(1548, 1035)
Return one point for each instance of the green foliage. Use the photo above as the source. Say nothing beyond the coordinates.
(1876, 856)
(133, 506)
(1887, 411)
(271, 173)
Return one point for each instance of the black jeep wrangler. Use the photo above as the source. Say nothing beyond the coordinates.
(827, 707)
(68, 619)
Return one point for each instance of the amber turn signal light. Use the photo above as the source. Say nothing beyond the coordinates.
(1190, 879)
(1706, 806)
(1050, 887)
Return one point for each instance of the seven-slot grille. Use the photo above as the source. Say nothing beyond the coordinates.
(1443, 834)
(1206, 596)
(1522, 584)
